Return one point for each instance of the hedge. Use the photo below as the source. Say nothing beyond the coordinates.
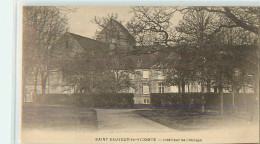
(240, 99)
(105, 100)
(200, 99)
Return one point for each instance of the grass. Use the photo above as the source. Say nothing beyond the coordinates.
(189, 119)
(58, 118)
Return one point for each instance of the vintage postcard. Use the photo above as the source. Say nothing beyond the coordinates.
(139, 74)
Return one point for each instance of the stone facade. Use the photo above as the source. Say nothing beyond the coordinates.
(147, 81)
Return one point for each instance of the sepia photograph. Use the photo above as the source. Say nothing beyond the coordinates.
(140, 74)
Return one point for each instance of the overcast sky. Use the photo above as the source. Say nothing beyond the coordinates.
(80, 20)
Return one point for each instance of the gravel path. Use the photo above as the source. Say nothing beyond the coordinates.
(124, 120)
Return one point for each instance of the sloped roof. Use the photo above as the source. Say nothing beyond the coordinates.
(89, 44)
(113, 21)
(138, 58)
(124, 29)
(144, 60)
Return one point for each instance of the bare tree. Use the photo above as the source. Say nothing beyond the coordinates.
(121, 43)
(106, 69)
(247, 18)
(44, 26)
(194, 29)
(244, 17)
(214, 38)
(152, 25)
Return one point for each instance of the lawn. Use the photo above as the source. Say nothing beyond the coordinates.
(190, 119)
(58, 118)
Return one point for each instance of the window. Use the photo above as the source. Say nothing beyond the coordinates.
(146, 89)
(160, 88)
(145, 74)
(146, 101)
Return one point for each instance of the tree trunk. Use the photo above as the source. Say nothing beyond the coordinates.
(237, 90)
(183, 87)
(220, 88)
(221, 100)
(244, 94)
(44, 77)
(233, 97)
(36, 80)
(48, 85)
(179, 88)
(208, 85)
(202, 97)
(117, 73)
(202, 87)
(43, 84)
(257, 77)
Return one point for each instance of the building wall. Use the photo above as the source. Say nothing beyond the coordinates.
(147, 81)
(116, 36)
(66, 49)
(55, 85)
(155, 81)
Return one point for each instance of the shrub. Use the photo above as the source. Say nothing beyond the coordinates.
(102, 100)
(199, 99)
